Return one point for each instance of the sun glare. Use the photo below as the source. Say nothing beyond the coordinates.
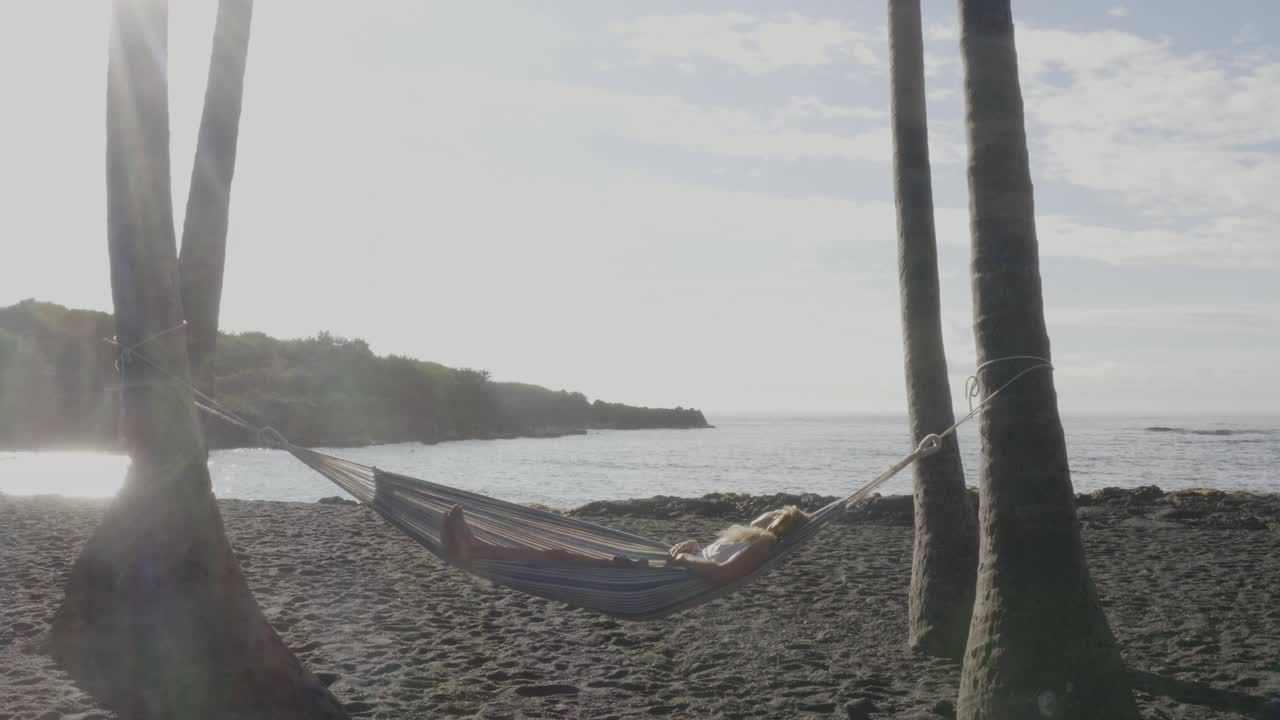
(62, 472)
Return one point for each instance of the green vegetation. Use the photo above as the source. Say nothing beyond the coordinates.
(58, 386)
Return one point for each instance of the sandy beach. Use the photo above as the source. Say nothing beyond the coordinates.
(1190, 582)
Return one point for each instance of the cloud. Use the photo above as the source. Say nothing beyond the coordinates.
(1130, 98)
(1226, 243)
(1150, 380)
(810, 106)
(474, 103)
(1169, 154)
(1260, 320)
(1178, 357)
(936, 65)
(752, 44)
(1181, 140)
(942, 32)
(1231, 242)
(1247, 34)
(1118, 11)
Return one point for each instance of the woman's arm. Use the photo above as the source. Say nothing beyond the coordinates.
(688, 546)
(741, 564)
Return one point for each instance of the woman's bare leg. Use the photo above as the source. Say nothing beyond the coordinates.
(455, 536)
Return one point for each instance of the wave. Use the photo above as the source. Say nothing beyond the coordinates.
(1218, 432)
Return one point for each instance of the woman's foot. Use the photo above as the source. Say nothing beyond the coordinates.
(453, 536)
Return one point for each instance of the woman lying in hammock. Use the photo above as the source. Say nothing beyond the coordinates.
(737, 552)
(740, 549)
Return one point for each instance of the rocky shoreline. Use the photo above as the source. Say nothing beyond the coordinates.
(1194, 508)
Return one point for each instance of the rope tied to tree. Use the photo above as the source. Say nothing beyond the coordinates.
(272, 438)
(128, 353)
(932, 443)
(973, 384)
(266, 435)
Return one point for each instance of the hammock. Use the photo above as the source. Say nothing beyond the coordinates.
(627, 592)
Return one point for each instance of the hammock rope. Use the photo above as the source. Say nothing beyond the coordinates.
(641, 590)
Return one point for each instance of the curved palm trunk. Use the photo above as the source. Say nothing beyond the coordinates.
(1039, 645)
(158, 621)
(204, 229)
(946, 540)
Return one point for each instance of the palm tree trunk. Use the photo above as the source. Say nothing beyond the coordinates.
(1039, 644)
(204, 230)
(946, 539)
(158, 621)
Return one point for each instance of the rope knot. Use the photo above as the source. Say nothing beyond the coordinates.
(929, 445)
(128, 353)
(270, 437)
(124, 357)
(973, 383)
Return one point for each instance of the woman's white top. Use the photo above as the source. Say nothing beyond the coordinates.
(721, 550)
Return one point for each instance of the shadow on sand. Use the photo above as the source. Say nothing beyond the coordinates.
(1194, 693)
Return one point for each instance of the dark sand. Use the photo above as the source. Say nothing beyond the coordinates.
(1191, 584)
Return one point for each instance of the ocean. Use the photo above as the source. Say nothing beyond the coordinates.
(828, 455)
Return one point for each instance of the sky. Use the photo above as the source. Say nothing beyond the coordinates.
(665, 206)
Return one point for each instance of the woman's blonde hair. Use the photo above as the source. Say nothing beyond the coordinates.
(745, 533)
(774, 524)
(785, 520)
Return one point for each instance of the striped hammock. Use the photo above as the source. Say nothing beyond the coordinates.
(628, 592)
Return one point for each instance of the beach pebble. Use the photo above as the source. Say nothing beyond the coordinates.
(335, 500)
(859, 709)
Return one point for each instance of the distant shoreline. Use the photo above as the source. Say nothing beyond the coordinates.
(321, 391)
